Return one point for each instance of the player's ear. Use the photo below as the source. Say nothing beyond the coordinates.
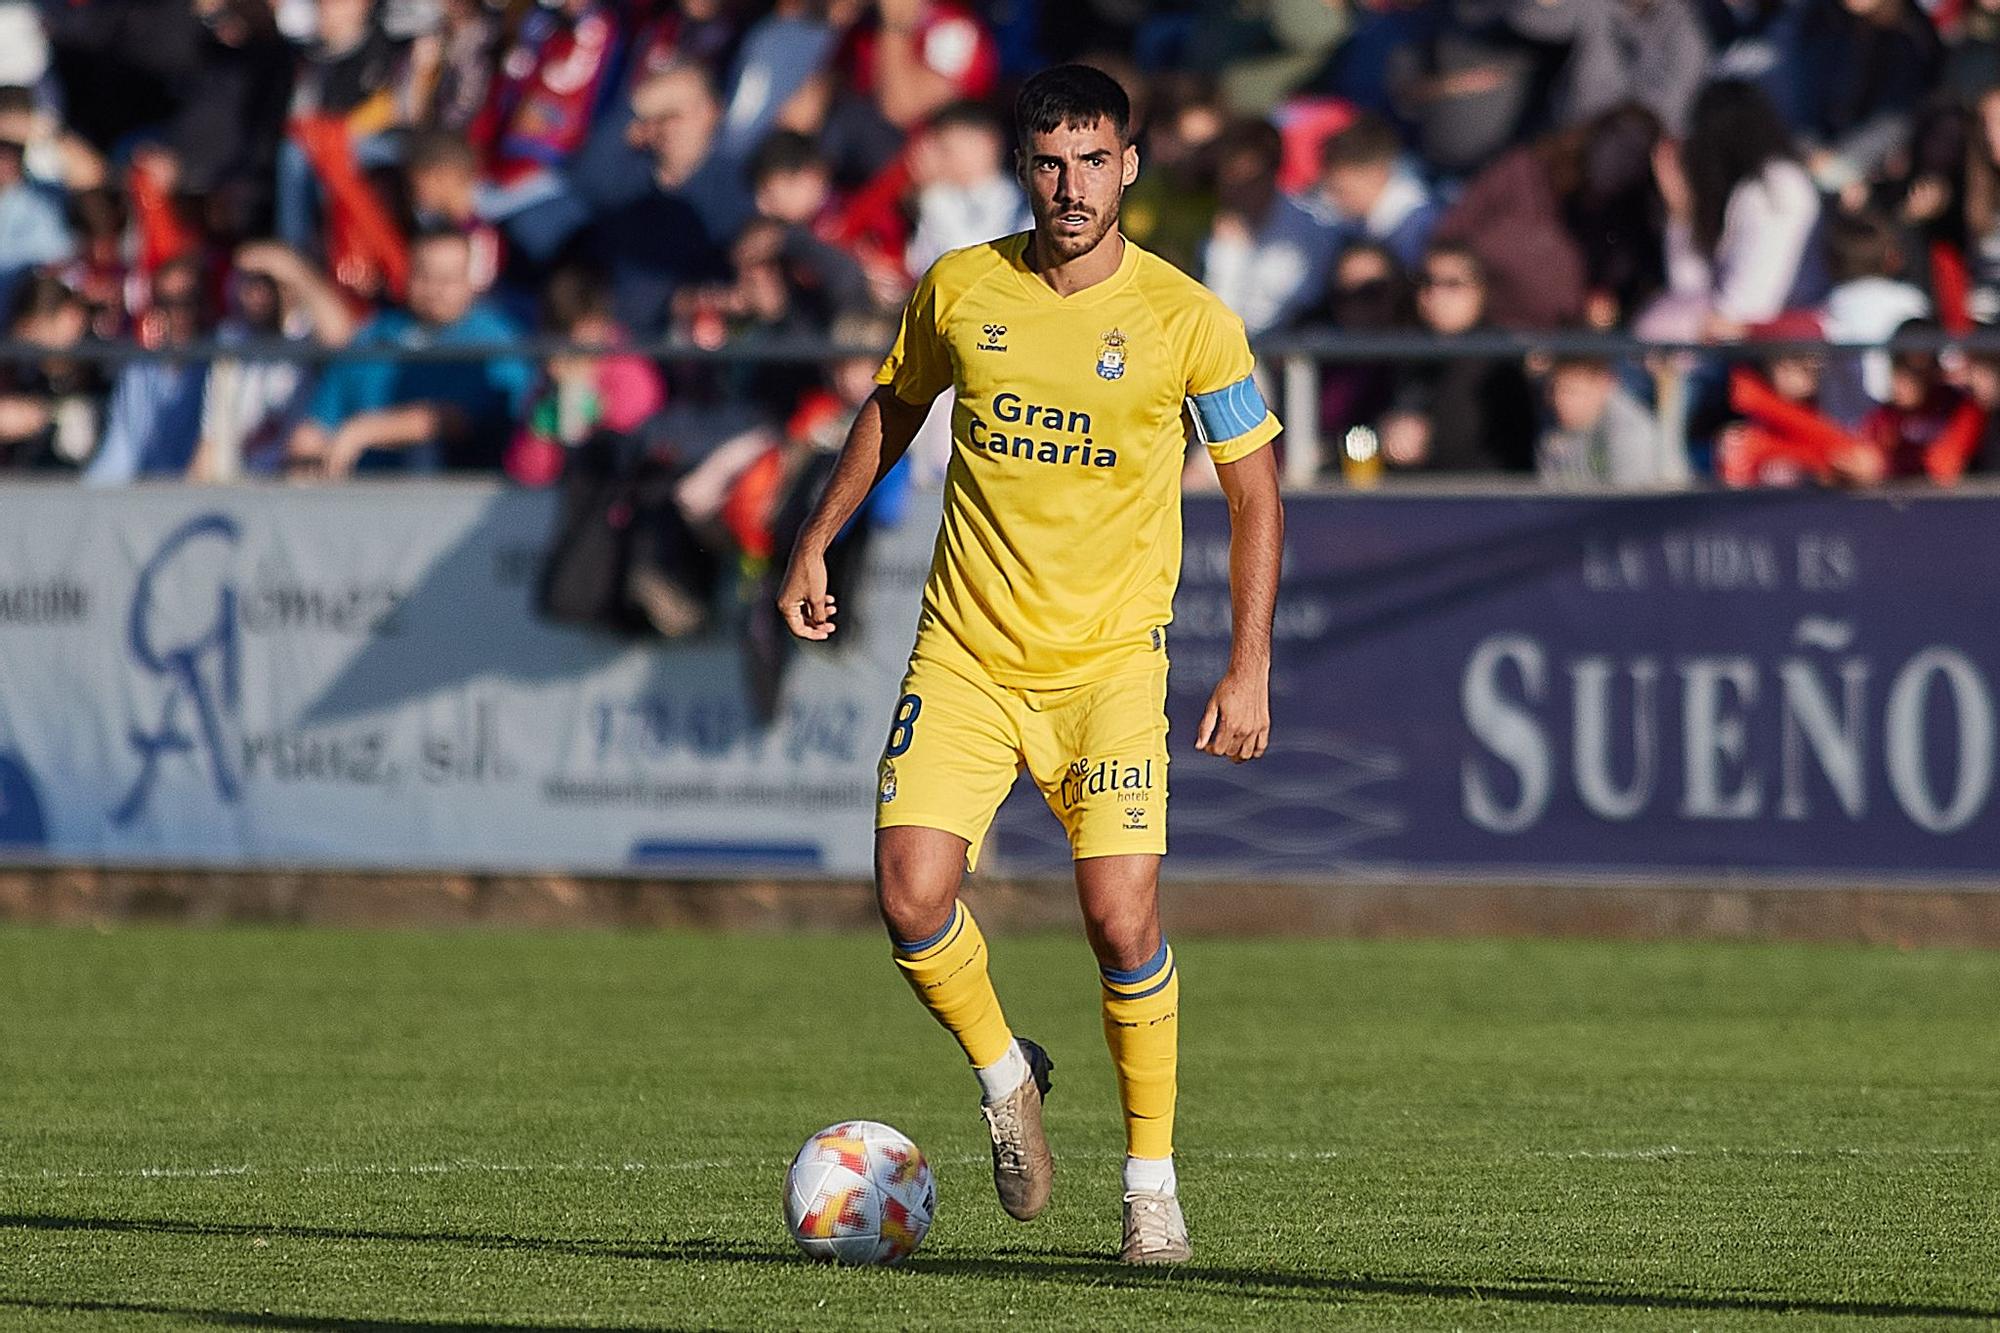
(1131, 170)
(1021, 168)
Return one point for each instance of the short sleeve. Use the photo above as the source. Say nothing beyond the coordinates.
(918, 367)
(1228, 409)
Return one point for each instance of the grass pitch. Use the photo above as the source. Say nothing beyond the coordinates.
(317, 1130)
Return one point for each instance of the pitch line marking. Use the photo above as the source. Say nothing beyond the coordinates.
(1665, 1152)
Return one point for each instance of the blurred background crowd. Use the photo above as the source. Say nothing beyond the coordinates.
(409, 174)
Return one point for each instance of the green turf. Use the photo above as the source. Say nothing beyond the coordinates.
(551, 1131)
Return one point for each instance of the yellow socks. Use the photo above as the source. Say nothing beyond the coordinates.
(1142, 1028)
(948, 973)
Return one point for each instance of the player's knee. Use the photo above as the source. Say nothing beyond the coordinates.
(913, 892)
(1123, 937)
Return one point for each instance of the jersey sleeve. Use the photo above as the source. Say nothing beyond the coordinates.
(918, 367)
(1224, 401)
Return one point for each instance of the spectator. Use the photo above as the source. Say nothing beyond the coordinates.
(540, 108)
(1868, 303)
(348, 74)
(1742, 220)
(441, 175)
(1864, 66)
(252, 405)
(1372, 195)
(1567, 226)
(791, 186)
(965, 193)
(32, 229)
(1467, 85)
(1371, 294)
(418, 416)
(675, 233)
(1783, 437)
(1599, 435)
(1474, 415)
(1266, 256)
(48, 408)
(1653, 52)
(1973, 60)
(903, 64)
(226, 133)
(1169, 208)
(153, 420)
(1928, 428)
(456, 66)
(582, 394)
(1982, 385)
(1982, 208)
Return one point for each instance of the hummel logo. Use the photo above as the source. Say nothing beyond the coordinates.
(995, 336)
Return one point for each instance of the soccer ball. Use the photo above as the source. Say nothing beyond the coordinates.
(859, 1193)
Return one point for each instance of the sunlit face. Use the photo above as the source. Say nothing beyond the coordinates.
(1075, 177)
(1354, 187)
(1796, 378)
(441, 288)
(674, 117)
(1578, 395)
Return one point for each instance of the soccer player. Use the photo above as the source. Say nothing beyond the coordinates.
(1076, 358)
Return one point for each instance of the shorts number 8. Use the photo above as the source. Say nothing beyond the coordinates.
(904, 731)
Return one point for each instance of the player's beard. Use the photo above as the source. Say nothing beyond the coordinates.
(1062, 246)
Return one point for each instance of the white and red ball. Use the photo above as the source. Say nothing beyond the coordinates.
(859, 1192)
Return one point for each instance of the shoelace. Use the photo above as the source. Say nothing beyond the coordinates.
(1150, 1219)
(1005, 1127)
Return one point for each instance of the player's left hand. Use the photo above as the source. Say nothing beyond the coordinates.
(1237, 722)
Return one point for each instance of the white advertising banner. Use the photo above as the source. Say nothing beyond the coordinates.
(355, 676)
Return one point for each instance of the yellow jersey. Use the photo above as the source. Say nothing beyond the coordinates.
(1060, 546)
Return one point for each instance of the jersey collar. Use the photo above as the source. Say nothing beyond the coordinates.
(1016, 252)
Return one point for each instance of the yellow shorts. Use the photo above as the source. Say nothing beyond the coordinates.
(1098, 752)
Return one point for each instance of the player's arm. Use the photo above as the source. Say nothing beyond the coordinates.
(1237, 723)
(881, 434)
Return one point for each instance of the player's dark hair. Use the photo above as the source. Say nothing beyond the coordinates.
(1074, 96)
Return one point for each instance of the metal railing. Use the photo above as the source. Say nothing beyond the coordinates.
(1293, 359)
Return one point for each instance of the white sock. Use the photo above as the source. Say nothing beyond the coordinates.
(1003, 1075)
(1150, 1175)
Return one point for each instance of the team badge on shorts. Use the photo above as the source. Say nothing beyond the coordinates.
(1111, 355)
(887, 792)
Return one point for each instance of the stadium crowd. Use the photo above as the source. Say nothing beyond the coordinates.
(407, 174)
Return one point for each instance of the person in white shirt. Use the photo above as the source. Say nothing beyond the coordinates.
(965, 194)
(1742, 220)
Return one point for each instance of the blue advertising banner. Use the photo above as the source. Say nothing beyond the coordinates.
(1795, 682)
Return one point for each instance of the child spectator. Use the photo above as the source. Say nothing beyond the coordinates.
(1371, 294)
(48, 408)
(32, 229)
(582, 393)
(1471, 415)
(1266, 256)
(1599, 435)
(419, 416)
(153, 420)
(251, 405)
(1928, 428)
(1869, 302)
(965, 193)
(1371, 195)
(1785, 438)
(442, 175)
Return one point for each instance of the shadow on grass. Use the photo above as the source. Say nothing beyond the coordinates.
(316, 1323)
(1012, 1264)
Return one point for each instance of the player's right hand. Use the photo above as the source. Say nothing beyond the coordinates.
(803, 599)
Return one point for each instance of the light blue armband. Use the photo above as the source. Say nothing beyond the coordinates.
(1229, 412)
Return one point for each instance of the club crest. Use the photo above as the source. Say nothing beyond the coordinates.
(887, 792)
(1111, 355)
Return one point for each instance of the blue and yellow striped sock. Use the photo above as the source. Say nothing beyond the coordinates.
(1142, 1028)
(948, 973)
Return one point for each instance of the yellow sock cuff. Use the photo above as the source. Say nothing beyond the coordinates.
(948, 973)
